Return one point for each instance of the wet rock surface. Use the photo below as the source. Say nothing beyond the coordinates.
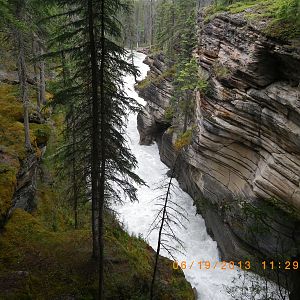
(151, 121)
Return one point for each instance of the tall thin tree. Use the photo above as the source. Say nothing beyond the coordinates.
(19, 8)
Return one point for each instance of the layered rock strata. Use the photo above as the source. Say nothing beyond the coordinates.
(243, 165)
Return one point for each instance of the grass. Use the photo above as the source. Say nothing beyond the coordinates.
(46, 265)
(282, 16)
(169, 113)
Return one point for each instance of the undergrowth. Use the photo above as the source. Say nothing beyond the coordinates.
(42, 256)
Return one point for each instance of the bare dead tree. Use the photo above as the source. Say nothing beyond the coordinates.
(169, 215)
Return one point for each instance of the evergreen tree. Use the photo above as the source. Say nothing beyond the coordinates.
(18, 9)
(21, 20)
(95, 91)
(6, 15)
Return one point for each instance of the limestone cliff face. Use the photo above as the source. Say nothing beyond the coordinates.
(246, 137)
(251, 123)
(152, 122)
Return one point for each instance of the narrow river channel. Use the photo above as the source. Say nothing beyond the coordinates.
(137, 217)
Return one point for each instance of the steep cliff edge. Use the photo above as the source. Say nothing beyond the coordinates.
(242, 167)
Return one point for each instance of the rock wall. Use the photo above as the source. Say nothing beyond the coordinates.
(24, 196)
(243, 165)
(151, 121)
(18, 168)
(24, 188)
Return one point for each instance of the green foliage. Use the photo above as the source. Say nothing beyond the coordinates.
(175, 36)
(189, 77)
(56, 258)
(184, 139)
(12, 131)
(169, 113)
(221, 71)
(8, 174)
(42, 133)
(285, 17)
(165, 75)
(175, 27)
(145, 83)
(282, 16)
(59, 263)
(75, 94)
(164, 37)
(6, 15)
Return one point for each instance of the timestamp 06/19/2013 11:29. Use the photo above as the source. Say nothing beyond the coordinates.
(231, 265)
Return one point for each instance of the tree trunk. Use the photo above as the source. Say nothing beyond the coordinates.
(74, 183)
(36, 73)
(160, 232)
(95, 132)
(151, 23)
(22, 73)
(103, 155)
(42, 79)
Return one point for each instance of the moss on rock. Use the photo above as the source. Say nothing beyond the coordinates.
(12, 149)
(42, 256)
(280, 18)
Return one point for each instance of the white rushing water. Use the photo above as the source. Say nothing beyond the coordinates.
(137, 217)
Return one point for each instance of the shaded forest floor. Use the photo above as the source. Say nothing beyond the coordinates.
(42, 256)
(40, 264)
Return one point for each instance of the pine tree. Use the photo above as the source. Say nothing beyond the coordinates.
(21, 20)
(95, 90)
(18, 9)
(6, 15)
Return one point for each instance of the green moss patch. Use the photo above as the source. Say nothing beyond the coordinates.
(41, 132)
(282, 17)
(12, 149)
(221, 71)
(42, 256)
(184, 139)
(166, 75)
(48, 265)
(8, 175)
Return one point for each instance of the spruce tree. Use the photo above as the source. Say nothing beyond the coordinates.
(95, 90)
(18, 9)
(21, 20)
